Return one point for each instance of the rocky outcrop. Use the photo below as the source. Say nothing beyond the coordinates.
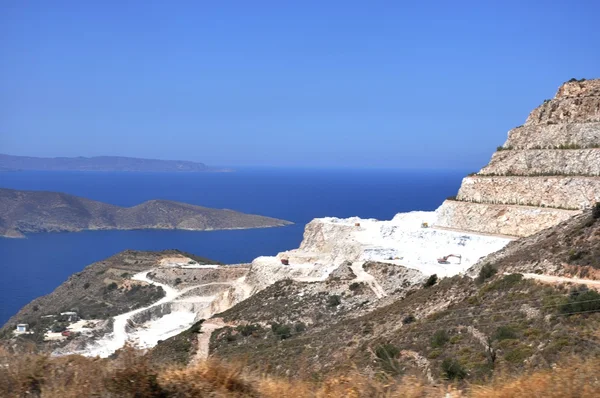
(552, 136)
(539, 162)
(546, 171)
(510, 220)
(569, 193)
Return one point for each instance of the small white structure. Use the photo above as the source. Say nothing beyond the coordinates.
(70, 315)
(22, 328)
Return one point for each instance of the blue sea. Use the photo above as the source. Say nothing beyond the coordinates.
(34, 266)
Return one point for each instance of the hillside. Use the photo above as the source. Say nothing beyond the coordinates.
(100, 291)
(504, 320)
(23, 212)
(547, 170)
(99, 163)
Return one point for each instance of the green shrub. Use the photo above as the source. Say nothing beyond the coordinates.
(110, 287)
(456, 339)
(506, 282)
(196, 327)
(596, 211)
(453, 370)
(519, 354)
(582, 301)
(432, 280)
(408, 319)
(247, 330)
(386, 355)
(334, 301)
(281, 331)
(439, 338)
(504, 333)
(434, 353)
(486, 272)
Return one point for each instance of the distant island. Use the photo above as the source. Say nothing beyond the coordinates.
(24, 212)
(100, 163)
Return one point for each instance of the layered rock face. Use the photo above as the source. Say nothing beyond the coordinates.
(547, 171)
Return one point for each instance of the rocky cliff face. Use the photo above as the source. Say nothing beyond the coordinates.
(547, 171)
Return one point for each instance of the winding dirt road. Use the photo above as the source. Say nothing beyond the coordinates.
(563, 279)
(364, 276)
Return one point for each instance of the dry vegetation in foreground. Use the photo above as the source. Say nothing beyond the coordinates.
(130, 375)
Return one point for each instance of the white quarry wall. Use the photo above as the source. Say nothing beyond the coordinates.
(570, 193)
(535, 161)
(552, 135)
(499, 219)
(328, 242)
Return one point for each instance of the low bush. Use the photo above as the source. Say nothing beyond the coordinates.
(453, 370)
(197, 327)
(504, 333)
(334, 301)
(596, 211)
(408, 319)
(432, 280)
(281, 331)
(585, 301)
(486, 272)
(439, 338)
(386, 355)
(247, 330)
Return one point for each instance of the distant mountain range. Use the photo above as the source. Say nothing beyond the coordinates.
(24, 212)
(99, 163)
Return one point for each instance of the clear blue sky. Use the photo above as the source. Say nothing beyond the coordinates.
(401, 84)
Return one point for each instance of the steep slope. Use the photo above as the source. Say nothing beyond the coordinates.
(547, 171)
(457, 328)
(101, 290)
(38, 211)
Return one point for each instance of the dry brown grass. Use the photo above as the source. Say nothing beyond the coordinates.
(130, 375)
(572, 379)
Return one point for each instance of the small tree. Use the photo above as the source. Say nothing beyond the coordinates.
(596, 211)
(432, 280)
(486, 272)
